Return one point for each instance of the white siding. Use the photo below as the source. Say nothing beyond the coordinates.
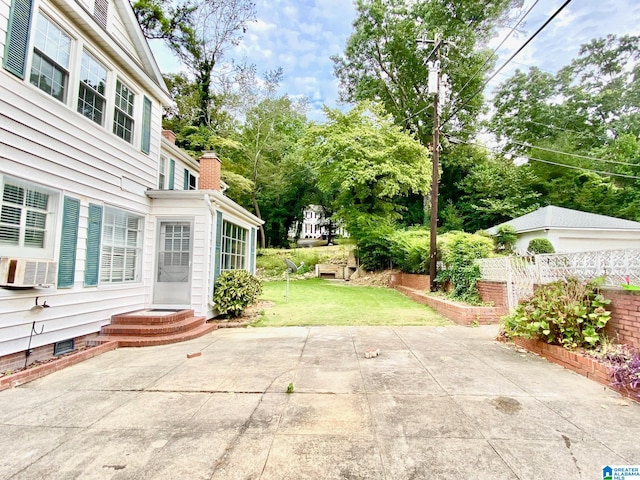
(48, 143)
(5, 5)
(118, 29)
(566, 241)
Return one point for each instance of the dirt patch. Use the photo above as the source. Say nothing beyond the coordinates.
(373, 279)
(252, 312)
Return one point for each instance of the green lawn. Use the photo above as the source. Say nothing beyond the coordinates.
(321, 302)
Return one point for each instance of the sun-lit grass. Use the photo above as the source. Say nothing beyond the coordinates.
(270, 262)
(322, 302)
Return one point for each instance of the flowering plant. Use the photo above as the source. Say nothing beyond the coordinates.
(627, 285)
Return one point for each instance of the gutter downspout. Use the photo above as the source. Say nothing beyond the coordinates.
(212, 209)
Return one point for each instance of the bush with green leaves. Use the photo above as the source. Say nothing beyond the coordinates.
(374, 250)
(539, 246)
(459, 252)
(568, 313)
(234, 290)
(410, 249)
(505, 239)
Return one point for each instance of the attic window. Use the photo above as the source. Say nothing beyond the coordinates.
(101, 11)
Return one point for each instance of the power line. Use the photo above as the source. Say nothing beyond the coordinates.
(527, 157)
(576, 155)
(493, 54)
(537, 32)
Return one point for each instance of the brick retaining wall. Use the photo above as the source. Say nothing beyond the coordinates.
(457, 312)
(573, 361)
(494, 292)
(410, 280)
(624, 325)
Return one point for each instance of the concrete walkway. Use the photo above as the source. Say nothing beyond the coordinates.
(439, 402)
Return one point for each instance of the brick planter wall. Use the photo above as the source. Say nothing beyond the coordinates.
(624, 325)
(457, 312)
(494, 292)
(574, 361)
(410, 280)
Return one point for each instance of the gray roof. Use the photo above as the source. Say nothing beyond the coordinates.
(551, 217)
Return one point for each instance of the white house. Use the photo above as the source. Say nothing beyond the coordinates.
(100, 213)
(314, 225)
(573, 230)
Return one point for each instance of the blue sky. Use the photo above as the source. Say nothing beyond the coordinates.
(301, 35)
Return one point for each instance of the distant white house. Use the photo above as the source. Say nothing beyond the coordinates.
(101, 213)
(573, 230)
(314, 225)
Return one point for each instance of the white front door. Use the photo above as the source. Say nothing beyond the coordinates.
(172, 284)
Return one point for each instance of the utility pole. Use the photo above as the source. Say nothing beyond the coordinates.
(435, 177)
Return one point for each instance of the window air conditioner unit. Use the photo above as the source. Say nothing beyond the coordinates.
(27, 273)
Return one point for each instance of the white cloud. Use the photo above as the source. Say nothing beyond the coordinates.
(301, 35)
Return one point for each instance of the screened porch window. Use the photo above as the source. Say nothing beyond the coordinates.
(234, 247)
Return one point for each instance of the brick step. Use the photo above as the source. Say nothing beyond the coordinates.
(149, 330)
(148, 318)
(140, 341)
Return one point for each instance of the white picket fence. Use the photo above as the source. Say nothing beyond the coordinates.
(522, 273)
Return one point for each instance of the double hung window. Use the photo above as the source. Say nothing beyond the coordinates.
(123, 112)
(121, 251)
(50, 62)
(91, 97)
(24, 215)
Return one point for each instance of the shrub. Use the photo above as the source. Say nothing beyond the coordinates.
(374, 249)
(410, 250)
(459, 252)
(539, 246)
(566, 313)
(234, 291)
(505, 239)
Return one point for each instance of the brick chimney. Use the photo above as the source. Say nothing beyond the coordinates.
(210, 171)
(169, 135)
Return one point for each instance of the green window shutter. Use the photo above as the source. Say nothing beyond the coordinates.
(94, 233)
(68, 243)
(17, 41)
(252, 251)
(146, 126)
(172, 173)
(186, 179)
(218, 247)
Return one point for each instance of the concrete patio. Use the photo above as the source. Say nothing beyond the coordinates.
(439, 402)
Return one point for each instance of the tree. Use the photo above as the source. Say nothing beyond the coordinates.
(384, 60)
(172, 23)
(364, 162)
(269, 133)
(199, 34)
(579, 128)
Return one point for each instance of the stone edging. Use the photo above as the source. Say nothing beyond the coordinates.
(574, 361)
(30, 374)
